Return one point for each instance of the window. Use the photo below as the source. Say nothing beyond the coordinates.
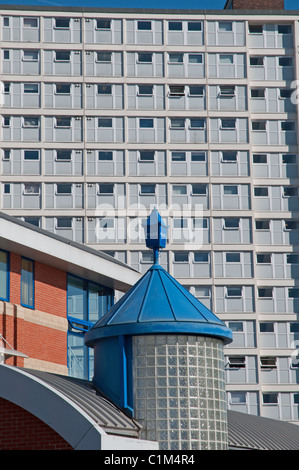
(31, 188)
(6, 121)
(6, 87)
(229, 156)
(30, 22)
(226, 59)
(232, 257)
(284, 29)
(199, 190)
(195, 58)
(285, 93)
(6, 188)
(63, 121)
(31, 155)
(292, 259)
(260, 192)
(177, 123)
(31, 56)
(6, 54)
(293, 294)
(33, 221)
(104, 56)
(265, 292)
(103, 24)
(258, 125)
(175, 26)
(262, 225)
(230, 190)
(228, 123)
(194, 26)
(291, 225)
(106, 222)
(259, 158)
(6, 21)
(180, 223)
(64, 222)
(225, 26)
(104, 89)
(62, 23)
(237, 398)
(31, 121)
(289, 191)
(145, 57)
(144, 25)
(6, 154)
(257, 93)
(285, 61)
(27, 283)
(256, 61)
(264, 258)
(106, 188)
(236, 362)
(268, 362)
(146, 123)
(176, 90)
(289, 159)
(64, 188)
(146, 156)
(181, 257)
(178, 156)
(231, 223)
(234, 292)
(105, 155)
(270, 398)
(226, 90)
(201, 257)
(147, 189)
(62, 56)
(195, 90)
(31, 88)
(176, 58)
(256, 29)
(63, 89)
(267, 327)
(63, 155)
(145, 90)
(197, 123)
(147, 257)
(179, 190)
(4, 275)
(287, 126)
(198, 157)
(105, 122)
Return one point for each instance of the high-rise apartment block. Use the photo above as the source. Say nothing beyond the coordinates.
(107, 113)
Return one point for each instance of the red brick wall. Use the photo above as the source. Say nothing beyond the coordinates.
(258, 4)
(20, 430)
(34, 339)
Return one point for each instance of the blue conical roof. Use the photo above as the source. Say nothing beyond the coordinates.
(157, 303)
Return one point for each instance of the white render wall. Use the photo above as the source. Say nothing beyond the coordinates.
(105, 114)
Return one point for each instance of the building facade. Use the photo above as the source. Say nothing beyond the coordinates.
(108, 113)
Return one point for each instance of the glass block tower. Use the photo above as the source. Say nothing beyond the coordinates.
(107, 113)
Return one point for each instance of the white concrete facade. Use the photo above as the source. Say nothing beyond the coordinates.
(107, 113)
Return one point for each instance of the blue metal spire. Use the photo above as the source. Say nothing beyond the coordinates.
(156, 235)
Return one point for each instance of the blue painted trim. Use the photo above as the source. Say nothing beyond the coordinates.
(125, 350)
(6, 299)
(147, 328)
(33, 282)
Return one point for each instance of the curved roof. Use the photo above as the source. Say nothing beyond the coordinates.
(245, 431)
(258, 433)
(157, 303)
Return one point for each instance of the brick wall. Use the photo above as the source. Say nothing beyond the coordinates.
(258, 4)
(40, 333)
(20, 430)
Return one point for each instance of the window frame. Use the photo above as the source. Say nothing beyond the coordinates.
(6, 298)
(32, 281)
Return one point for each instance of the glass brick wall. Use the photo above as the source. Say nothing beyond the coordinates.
(179, 388)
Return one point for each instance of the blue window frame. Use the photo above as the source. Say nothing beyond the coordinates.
(27, 282)
(4, 275)
(87, 302)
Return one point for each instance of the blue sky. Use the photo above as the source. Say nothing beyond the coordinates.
(170, 4)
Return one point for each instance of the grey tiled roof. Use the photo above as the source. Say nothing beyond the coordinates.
(244, 431)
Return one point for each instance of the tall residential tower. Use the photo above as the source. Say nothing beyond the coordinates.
(107, 113)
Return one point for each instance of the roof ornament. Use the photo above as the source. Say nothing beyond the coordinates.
(156, 234)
